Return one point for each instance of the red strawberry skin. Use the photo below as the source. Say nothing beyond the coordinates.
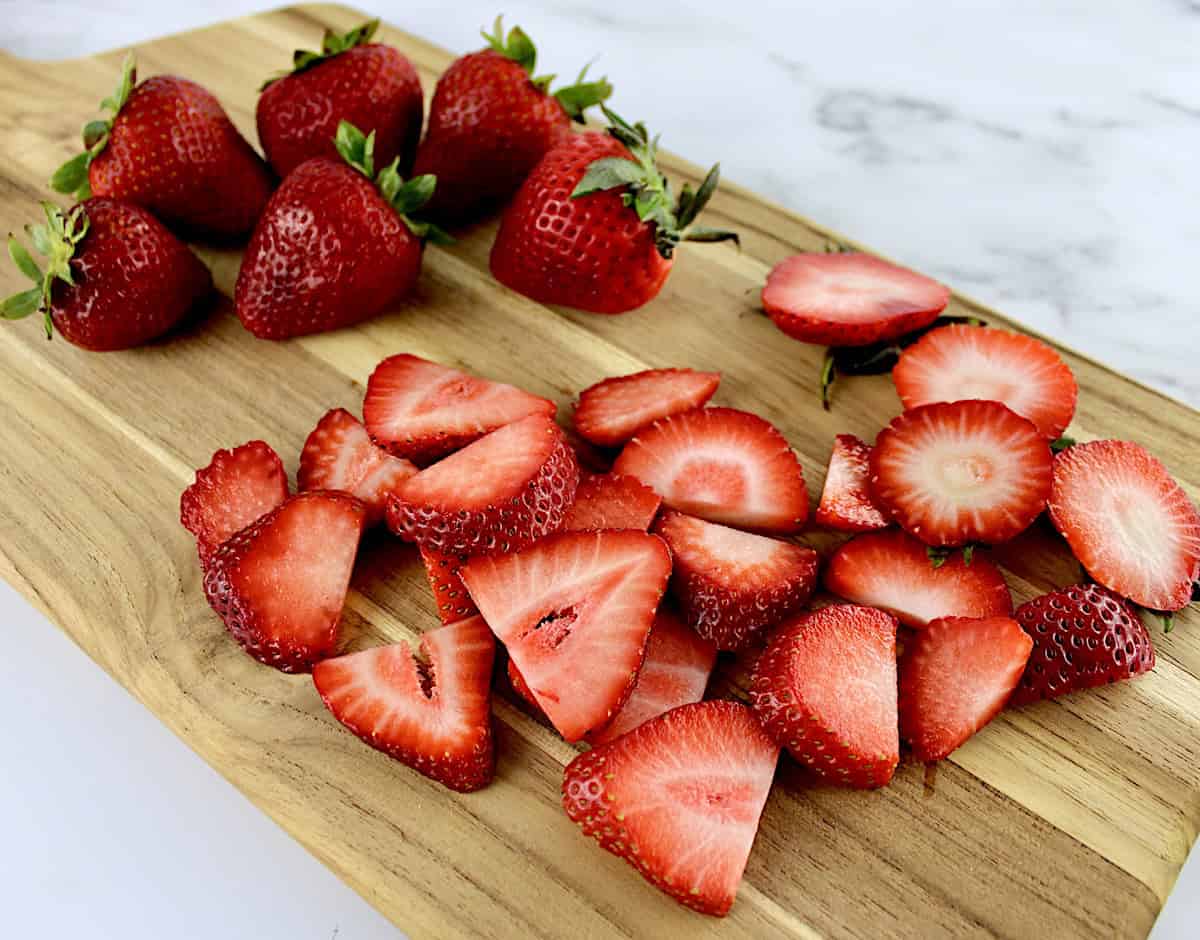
(328, 252)
(521, 687)
(611, 501)
(449, 593)
(846, 502)
(611, 412)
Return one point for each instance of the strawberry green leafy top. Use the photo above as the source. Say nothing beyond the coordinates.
(56, 240)
(72, 176)
(331, 44)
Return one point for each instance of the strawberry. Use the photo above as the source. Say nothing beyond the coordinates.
(722, 465)
(591, 458)
(170, 148)
(593, 226)
(1083, 636)
(955, 676)
(502, 492)
(679, 798)
(116, 277)
(352, 79)
(611, 412)
(732, 585)
(611, 501)
(453, 601)
(960, 362)
(825, 688)
(491, 121)
(893, 571)
(238, 487)
(521, 687)
(335, 244)
(849, 299)
(574, 611)
(339, 455)
(433, 714)
(846, 501)
(424, 410)
(1128, 522)
(279, 584)
(968, 471)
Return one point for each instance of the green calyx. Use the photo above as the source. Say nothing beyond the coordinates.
(648, 192)
(331, 44)
(72, 176)
(939, 555)
(56, 241)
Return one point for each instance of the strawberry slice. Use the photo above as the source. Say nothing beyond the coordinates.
(733, 585)
(723, 465)
(521, 687)
(1128, 522)
(968, 471)
(433, 714)
(423, 410)
(279, 584)
(849, 299)
(502, 492)
(339, 455)
(959, 362)
(574, 611)
(955, 676)
(679, 798)
(825, 688)
(237, 487)
(450, 594)
(611, 501)
(892, 571)
(846, 501)
(613, 411)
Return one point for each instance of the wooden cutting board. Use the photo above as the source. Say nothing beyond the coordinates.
(1066, 819)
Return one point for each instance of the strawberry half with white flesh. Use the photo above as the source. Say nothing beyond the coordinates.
(450, 594)
(611, 501)
(613, 411)
(846, 502)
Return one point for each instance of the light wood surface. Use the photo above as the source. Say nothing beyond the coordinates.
(1065, 819)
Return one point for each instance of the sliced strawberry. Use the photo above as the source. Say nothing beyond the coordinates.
(502, 492)
(732, 585)
(1128, 522)
(339, 455)
(574, 611)
(237, 487)
(679, 798)
(279, 584)
(825, 688)
(450, 594)
(591, 458)
(433, 714)
(613, 411)
(612, 501)
(969, 471)
(955, 676)
(849, 299)
(423, 410)
(721, 464)
(521, 687)
(846, 501)
(892, 570)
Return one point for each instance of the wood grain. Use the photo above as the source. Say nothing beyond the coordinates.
(1065, 819)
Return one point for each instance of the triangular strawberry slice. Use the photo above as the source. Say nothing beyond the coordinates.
(611, 501)
(433, 714)
(574, 611)
(449, 593)
(846, 501)
(521, 687)
(611, 412)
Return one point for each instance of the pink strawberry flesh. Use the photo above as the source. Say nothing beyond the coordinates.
(613, 411)
(449, 593)
(611, 501)
(846, 501)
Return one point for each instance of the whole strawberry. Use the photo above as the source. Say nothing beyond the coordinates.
(170, 147)
(594, 226)
(334, 245)
(491, 121)
(352, 79)
(115, 276)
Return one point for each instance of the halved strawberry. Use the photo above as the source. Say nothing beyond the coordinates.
(507, 489)
(892, 571)
(237, 487)
(279, 584)
(521, 687)
(846, 501)
(721, 464)
(574, 611)
(611, 412)
(433, 714)
(679, 798)
(959, 362)
(339, 455)
(955, 676)
(968, 471)
(825, 688)
(849, 299)
(611, 501)
(1128, 522)
(732, 585)
(424, 410)
(450, 594)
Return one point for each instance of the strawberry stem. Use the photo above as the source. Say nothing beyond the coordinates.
(57, 241)
(332, 44)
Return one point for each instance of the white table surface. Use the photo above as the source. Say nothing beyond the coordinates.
(1038, 156)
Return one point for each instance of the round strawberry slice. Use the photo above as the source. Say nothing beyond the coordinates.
(611, 412)
(968, 471)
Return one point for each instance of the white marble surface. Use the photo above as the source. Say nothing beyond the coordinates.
(1037, 155)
